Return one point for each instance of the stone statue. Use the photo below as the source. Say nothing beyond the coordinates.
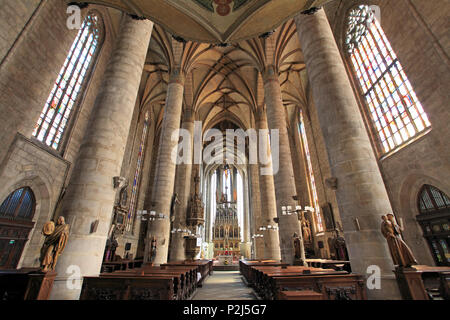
(297, 248)
(306, 230)
(175, 202)
(400, 252)
(152, 254)
(55, 241)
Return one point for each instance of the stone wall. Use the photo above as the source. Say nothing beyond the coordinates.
(38, 41)
(418, 33)
(28, 165)
(15, 16)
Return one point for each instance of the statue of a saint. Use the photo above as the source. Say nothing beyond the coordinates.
(297, 248)
(175, 202)
(152, 250)
(400, 252)
(55, 241)
(306, 231)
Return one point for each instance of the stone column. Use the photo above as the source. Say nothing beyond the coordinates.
(256, 210)
(90, 195)
(268, 204)
(245, 183)
(361, 193)
(182, 189)
(284, 178)
(165, 170)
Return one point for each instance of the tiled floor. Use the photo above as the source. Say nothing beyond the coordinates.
(224, 285)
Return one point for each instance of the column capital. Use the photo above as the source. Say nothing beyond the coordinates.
(270, 73)
(260, 114)
(311, 11)
(136, 17)
(177, 76)
(188, 115)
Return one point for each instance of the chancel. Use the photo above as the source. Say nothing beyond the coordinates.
(224, 150)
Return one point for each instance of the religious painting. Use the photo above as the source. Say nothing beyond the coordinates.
(327, 211)
(221, 7)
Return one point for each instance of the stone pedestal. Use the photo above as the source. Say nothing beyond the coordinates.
(90, 196)
(361, 194)
(165, 169)
(284, 178)
(40, 285)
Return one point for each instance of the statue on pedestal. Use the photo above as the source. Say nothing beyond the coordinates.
(55, 241)
(400, 252)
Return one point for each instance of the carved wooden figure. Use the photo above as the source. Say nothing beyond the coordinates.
(55, 241)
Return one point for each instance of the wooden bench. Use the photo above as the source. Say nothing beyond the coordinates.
(300, 295)
(247, 270)
(128, 288)
(182, 283)
(171, 281)
(204, 267)
(270, 281)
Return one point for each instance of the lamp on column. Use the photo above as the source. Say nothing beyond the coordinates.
(151, 216)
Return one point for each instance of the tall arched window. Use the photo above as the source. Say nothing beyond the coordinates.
(70, 83)
(16, 214)
(137, 175)
(396, 111)
(434, 218)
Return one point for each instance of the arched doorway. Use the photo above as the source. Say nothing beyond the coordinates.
(434, 218)
(16, 214)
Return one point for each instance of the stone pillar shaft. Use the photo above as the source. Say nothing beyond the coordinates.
(165, 170)
(361, 193)
(284, 178)
(182, 189)
(256, 210)
(268, 205)
(90, 195)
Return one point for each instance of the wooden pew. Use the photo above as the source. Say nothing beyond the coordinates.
(263, 276)
(246, 268)
(300, 295)
(171, 281)
(332, 287)
(270, 281)
(128, 288)
(181, 283)
(205, 268)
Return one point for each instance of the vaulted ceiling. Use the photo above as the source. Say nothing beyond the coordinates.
(213, 21)
(225, 83)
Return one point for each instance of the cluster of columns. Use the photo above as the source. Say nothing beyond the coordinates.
(90, 196)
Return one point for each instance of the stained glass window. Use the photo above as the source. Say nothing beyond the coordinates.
(137, 175)
(68, 86)
(396, 111)
(318, 217)
(19, 205)
(432, 199)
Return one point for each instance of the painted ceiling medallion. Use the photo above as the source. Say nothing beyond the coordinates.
(223, 7)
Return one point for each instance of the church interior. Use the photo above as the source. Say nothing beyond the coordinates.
(161, 150)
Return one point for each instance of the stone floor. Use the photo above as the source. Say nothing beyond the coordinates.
(224, 285)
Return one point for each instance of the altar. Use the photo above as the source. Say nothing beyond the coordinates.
(225, 260)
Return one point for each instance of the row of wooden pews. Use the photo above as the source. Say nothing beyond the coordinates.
(171, 281)
(277, 281)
